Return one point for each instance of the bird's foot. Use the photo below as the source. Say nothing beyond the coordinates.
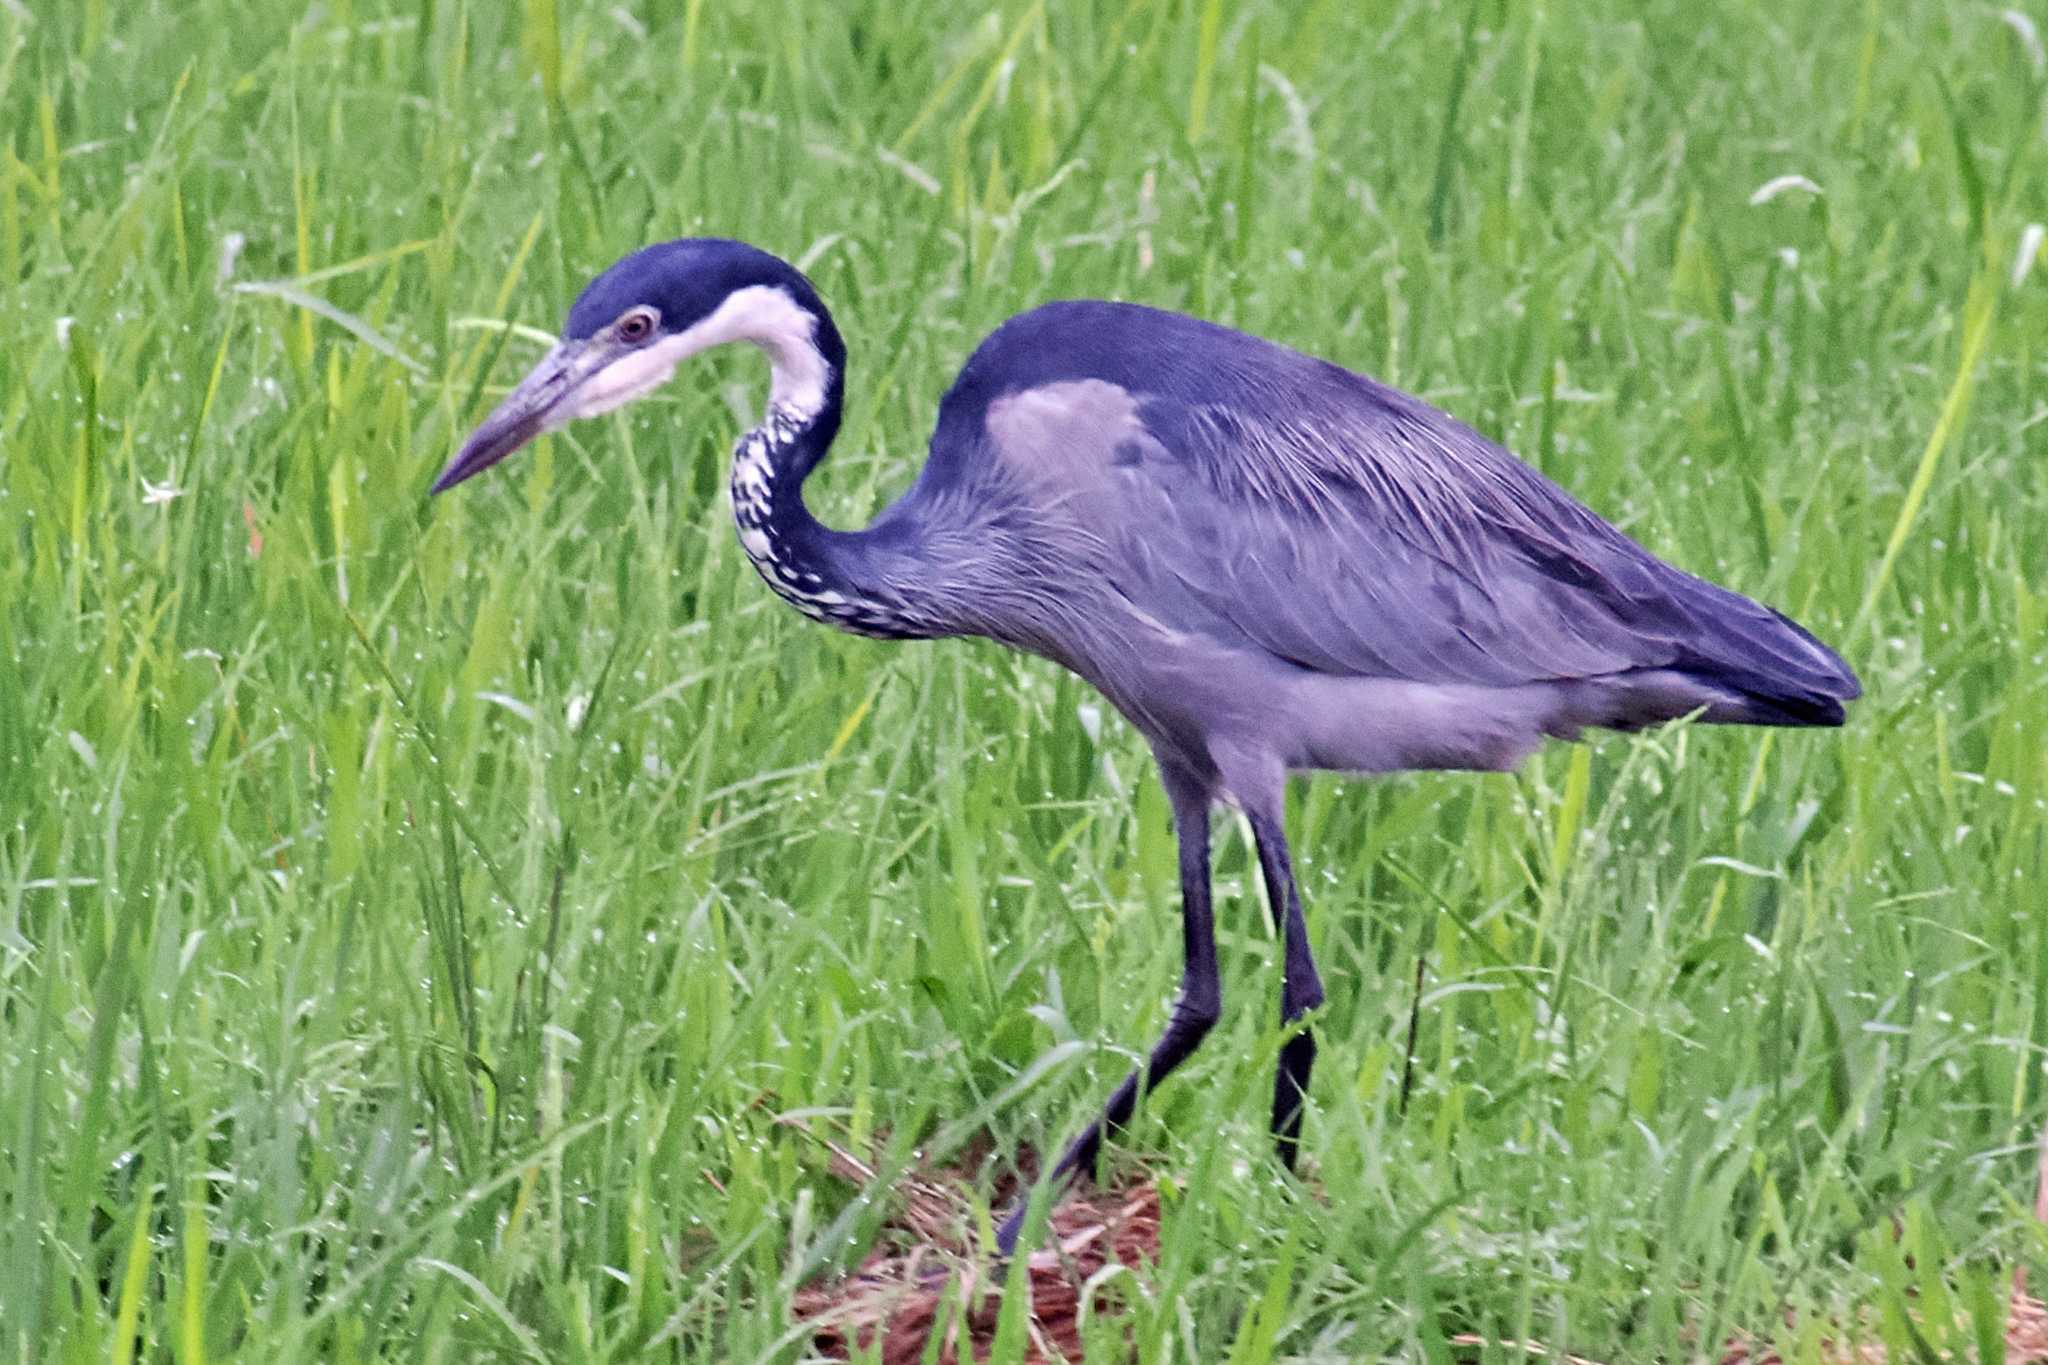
(1012, 1227)
(1055, 1186)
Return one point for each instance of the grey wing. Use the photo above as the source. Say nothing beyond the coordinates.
(1355, 531)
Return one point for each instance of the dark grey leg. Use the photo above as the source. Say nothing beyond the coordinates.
(1301, 990)
(1194, 1012)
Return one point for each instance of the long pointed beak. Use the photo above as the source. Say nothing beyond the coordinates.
(543, 401)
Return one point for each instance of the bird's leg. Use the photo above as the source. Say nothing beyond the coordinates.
(1195, 1009)
(1301, 989)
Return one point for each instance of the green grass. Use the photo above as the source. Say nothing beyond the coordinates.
(427, 929)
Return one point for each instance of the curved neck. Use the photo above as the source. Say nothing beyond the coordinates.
(826, 574)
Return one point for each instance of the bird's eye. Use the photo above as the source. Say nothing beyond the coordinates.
(635, 327)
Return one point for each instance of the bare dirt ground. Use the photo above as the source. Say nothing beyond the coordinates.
(925, 1275)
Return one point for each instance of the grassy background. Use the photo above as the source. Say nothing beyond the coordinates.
(428, 931)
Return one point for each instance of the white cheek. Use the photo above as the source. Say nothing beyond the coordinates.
(625, 379)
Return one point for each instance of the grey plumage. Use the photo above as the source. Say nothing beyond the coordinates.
(1325, 570)
(1267, 562)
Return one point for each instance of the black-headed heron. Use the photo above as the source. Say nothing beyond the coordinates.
(1267, 562)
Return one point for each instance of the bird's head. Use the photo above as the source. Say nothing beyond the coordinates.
(633, 325)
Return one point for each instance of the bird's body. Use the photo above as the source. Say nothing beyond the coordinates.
(1244, 546)
(1267, 562)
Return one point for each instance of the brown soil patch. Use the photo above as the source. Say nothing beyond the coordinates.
(926, 1274)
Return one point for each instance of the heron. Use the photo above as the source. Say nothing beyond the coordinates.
(1268, 563)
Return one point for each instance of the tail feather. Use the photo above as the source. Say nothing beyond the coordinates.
(1743, 662)
(1754, 666)
(1775, 670)
(1755, 709)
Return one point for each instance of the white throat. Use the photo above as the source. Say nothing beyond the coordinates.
(762, 314)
